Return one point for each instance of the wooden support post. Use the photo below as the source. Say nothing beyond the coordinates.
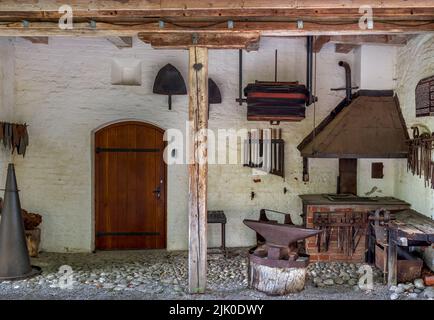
(198, 168)
(392, 259)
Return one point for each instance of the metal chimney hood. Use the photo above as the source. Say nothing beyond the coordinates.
(369, 126)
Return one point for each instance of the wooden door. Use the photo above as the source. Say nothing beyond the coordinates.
(130, 190)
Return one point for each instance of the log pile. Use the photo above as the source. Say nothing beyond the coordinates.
(31, 220)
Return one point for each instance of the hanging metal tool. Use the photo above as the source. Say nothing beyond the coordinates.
(169, 81)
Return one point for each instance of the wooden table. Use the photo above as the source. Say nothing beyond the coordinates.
(218, 216)
(410, 228)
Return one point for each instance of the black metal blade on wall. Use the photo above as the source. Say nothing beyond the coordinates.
(169, 81)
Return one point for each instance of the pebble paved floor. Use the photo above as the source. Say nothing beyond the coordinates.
(163, 275)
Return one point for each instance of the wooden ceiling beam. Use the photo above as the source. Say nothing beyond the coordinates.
(345, 47)
(379, 39)
(37, 29)
(320, 42)
(235, 40)
(373, 39)
(331, 9)
(121, 42)
(37, 40)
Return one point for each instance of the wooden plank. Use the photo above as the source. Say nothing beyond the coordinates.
(198, 168)
(392, 260)
(37, 40)
(121, 42)
(414, 226)
(385, 39)
(380, 39)
(222, 8)
(264, 28)
(249, 41)
(319, 42)
(344, 47)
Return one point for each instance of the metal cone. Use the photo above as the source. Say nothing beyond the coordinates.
(14, 257)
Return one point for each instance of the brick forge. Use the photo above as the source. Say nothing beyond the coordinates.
(333, 253)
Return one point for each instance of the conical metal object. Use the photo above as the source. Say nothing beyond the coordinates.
(14, 256)
(169, 81)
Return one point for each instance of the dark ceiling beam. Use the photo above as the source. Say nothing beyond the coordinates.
(267, 28)
(239, 40)
(37, 40)
(320, 42)
(121, 42)
(345, 47)
(348, 40)
(307, 9)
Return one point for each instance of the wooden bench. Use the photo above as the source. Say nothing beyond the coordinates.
(410, 228)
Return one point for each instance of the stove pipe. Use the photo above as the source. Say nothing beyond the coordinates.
(348, 88)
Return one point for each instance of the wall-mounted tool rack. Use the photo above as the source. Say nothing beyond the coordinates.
(265, 151)
(420, 159)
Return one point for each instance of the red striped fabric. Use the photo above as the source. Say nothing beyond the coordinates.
(298, 96)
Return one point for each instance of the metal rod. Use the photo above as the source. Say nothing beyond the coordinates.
(240, 79)
(348, 90)
(275, 65)
(309, 67)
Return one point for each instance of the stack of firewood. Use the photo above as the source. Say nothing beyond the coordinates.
(31, 220)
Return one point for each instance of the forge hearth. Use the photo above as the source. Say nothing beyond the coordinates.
(343, 211)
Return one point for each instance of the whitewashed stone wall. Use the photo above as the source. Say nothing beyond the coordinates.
(375, 71)
(64, 92)
(415, 62)
(7, 95)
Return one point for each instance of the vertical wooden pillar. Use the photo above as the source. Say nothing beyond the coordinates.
(198, 168)
(392, 259)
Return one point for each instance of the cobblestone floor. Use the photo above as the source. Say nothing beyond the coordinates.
(163, 275)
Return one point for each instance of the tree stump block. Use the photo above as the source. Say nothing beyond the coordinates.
(33, 238)
(276, 281)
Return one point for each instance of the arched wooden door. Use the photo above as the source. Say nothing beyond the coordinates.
(130, 190)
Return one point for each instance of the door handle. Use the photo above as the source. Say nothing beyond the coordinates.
(157, 191)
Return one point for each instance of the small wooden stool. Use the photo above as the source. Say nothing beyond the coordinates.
(218, 216)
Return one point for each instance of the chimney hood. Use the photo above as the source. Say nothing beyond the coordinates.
(368, 124)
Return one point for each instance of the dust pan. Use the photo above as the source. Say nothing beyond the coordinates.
(14, 257)
(214, 95)
(169, 81)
